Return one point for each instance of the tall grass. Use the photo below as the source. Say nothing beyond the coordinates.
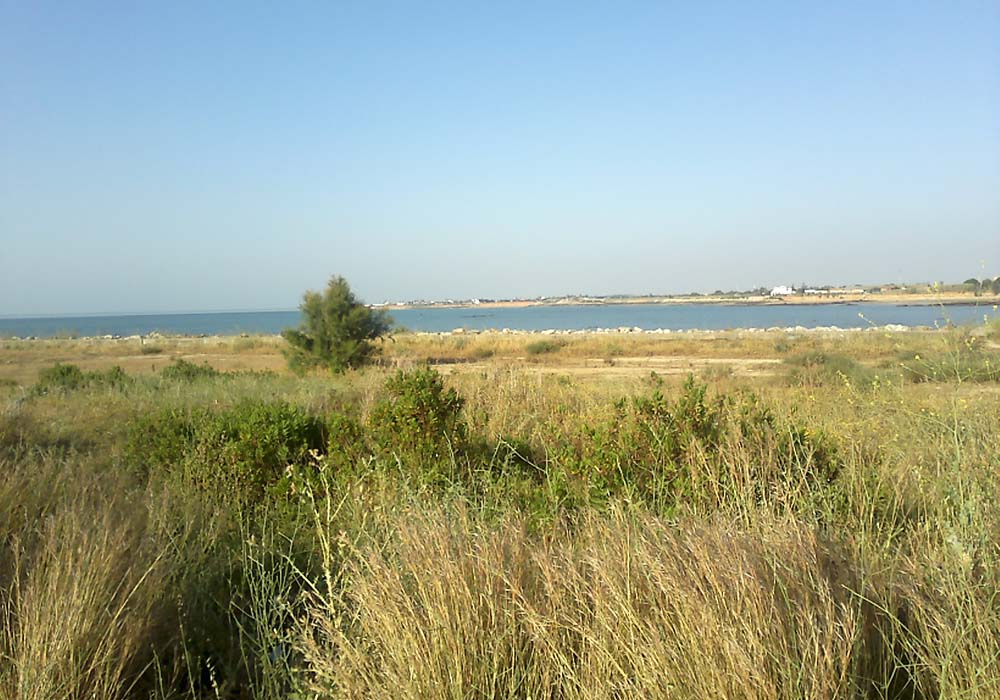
(821, 540)
(630, 606)
(77, 596)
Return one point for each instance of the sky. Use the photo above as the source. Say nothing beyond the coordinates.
(180, 156)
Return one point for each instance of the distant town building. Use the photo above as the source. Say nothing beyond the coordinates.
(781, 291)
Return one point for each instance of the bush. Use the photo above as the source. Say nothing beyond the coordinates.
(64, 378)
(115, 377)
(61, 377)
(249, 447)
(184, 371)
(347, 443)
(242, 452)
(543, 347)
(163, 438)
(336, 331)
(512, 457)
(824, 369)
(697, 448)
(419, 421)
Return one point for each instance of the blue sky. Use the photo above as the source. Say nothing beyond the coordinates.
(197, 156)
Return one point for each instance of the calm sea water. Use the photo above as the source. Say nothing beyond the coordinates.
(645, 316)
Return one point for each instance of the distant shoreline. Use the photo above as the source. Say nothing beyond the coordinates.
(209, 338)
(634, 312)
(948, 299)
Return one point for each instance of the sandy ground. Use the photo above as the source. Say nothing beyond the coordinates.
(24, 370)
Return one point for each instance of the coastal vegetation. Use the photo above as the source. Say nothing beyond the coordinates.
(336, 332)
(752, 515)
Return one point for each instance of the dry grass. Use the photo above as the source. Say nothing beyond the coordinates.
(21, 360)
(882, 584)
(595, 354)
(609, 346)
(628, 606)
(79, 591)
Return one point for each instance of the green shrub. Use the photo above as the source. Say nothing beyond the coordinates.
(824, 369)
(419, 421)
(542, 347)
(697, 448)
(61, 377)
(347, 443)
(150, 350)
(64, 378)
(512, 456)
(163, 438)
(242, 452)
(337, 330)
(248, 448)
(184, 371)
(115, 377)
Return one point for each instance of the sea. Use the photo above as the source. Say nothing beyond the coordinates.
(672, 317)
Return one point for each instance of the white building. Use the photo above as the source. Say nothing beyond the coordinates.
(782, 291)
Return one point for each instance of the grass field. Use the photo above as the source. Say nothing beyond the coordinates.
(708, 515)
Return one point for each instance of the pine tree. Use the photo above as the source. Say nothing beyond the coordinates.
(336, 332)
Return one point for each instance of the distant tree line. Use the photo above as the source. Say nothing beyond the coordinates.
(983, 286)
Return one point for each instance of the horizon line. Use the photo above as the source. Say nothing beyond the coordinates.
(187, 312)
